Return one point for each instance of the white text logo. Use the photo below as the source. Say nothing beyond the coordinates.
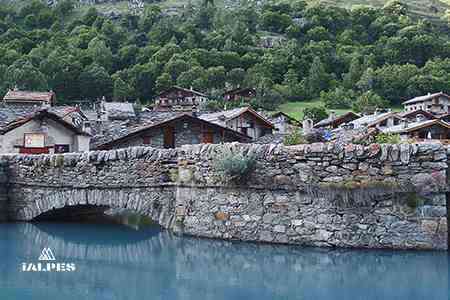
(48, 264)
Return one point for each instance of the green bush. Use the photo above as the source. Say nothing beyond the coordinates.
(413, 200)
(388, 138)
(294, 138)
(235, 167)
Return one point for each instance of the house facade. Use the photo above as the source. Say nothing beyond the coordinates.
(177, 98)
(422, 130)
(437, 103)
(244, 120)
(239, 94)
(284, 123)
(183, 129)
(42, 132)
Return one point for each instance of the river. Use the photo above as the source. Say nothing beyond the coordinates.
(117, 262)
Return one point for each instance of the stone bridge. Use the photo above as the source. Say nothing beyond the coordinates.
(378, 196)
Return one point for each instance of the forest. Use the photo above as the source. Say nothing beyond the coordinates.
(288, 51)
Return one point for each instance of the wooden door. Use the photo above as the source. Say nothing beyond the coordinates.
(208, 137)
(169, 137)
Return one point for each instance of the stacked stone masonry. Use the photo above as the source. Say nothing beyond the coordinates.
(377, 196)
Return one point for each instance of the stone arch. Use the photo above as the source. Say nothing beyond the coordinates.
(156, 203)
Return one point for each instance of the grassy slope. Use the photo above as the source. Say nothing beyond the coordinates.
(295, 109)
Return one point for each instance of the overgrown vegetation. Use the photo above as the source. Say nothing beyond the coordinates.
(413, 200)
(388, 138)
(368, 56)
(235, 167)
(294, 138)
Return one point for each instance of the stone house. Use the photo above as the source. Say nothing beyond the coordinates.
(28, 98)
(239, 94)
(284, 123)
(379, 120)
(243, 119)
(437, 103)
(422, 130)
(178, 98)
(417, 115)
(183, 129)
(42, 132)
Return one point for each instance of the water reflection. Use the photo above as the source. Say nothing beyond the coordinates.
(115, 262)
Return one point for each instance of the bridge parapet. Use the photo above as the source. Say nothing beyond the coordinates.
(377, 196)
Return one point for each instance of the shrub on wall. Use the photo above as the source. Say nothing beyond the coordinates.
(235, 167)
(294, 138)
(388, 138)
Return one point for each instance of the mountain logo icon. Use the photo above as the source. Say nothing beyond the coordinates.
(47, 255)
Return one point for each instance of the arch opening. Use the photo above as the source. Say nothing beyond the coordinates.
(99, 214)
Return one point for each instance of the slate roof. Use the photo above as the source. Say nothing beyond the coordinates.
(415, 126)
(119, 110)
(373, 119)
(414, 113)
(29, 96)
(10, 113)
(222, 117)
(41, 113)
(110, 130)
(125, 132)
(425, 98)
(333, 119)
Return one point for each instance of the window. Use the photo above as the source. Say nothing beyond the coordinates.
(62, 148)
(34, 140)
(146, 140)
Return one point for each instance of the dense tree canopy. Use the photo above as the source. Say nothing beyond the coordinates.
(287, 51)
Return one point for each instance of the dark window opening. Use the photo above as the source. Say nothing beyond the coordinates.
(146, 140)
(62, 148)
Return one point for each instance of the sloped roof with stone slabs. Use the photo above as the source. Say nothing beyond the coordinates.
(30, 96)
(119, 110)
(10, 113)
(374, 119)
(222, 117)
(107, 131)
(425, 98)
(416, 126)
(121, 132)
(332, 119)
(20, 120)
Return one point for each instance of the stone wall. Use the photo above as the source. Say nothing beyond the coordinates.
(3, 191)
(389, 196)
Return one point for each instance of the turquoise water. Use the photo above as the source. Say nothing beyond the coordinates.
(115, 262)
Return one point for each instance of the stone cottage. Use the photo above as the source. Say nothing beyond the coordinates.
(437, 103)
(243, 119)
(183, 129)
(41, 131)
(178, 98)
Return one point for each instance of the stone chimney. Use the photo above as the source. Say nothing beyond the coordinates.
(307, 125)
(332, 115)
(87, 127)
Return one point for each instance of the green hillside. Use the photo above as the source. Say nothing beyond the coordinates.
(431, 9)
